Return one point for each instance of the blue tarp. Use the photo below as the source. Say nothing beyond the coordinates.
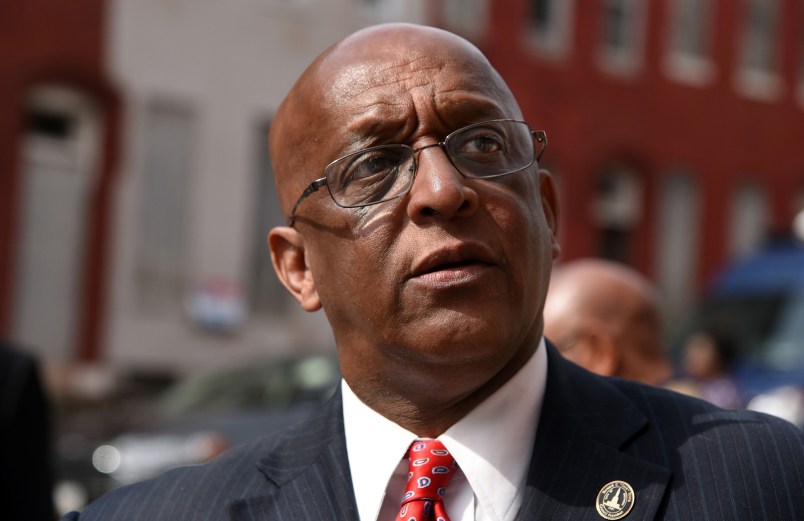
(778, 269)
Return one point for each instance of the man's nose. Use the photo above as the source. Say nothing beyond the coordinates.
(439, 190)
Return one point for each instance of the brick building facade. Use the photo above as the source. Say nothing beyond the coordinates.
(675, 126)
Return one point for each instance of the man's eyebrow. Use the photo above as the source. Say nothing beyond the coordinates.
(379, 125)
(471, 102)
(383, 121)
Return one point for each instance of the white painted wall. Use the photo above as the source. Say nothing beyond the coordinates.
(230, 64)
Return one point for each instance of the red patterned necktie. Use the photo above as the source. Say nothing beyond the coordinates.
(429, 470)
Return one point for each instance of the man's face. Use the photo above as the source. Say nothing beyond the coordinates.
(453, 274)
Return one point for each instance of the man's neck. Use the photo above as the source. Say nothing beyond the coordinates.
(429, 402)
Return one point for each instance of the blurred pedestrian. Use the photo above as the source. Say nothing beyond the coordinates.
(604, 316)
(708, 358)
(25, 444)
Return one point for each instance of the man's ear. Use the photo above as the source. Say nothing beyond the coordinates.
(549, 195)
(602, 356)
(290, 262)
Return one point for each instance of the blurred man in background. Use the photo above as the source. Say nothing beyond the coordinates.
(604, 316)
(708, 357)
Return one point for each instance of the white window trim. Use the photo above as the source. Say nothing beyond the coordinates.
(689, 69)
(749, 199)
(473, 23)
(800, 92)
(759, 85)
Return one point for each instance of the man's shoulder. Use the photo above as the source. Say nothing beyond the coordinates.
(688, 424)
(596, 405)
(670, 426)
(663, 404)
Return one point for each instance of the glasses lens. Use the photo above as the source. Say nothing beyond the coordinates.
(491, 149)
(371, 176)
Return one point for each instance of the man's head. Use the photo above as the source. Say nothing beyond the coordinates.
(438, 293)
(605, 317)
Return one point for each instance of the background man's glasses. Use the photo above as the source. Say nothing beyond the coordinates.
(382, 173)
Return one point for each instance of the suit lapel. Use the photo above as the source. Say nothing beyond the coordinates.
(584, 426)
(307, 474)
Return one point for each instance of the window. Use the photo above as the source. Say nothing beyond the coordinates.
(266, 293)
(543, 15)
(59, 156)
(160, 269)
(801, 68)
(758, 59)
(758, 51)
(689, 39)
(390, 11)
(617, 210)
(621, 34)
(677, 236)
(549, 25)
(467, 17)
(748, 220)
(798, 216)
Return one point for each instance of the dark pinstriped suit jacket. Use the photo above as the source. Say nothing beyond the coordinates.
(685, 460)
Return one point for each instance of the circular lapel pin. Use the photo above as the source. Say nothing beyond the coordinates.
(615, 500)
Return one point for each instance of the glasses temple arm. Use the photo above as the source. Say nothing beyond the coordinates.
(540, 136)
(311, 188)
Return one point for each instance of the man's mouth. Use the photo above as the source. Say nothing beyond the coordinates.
(452, 264)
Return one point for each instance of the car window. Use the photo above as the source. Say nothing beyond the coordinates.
(264, 384)
(750, 319)
(785, 347)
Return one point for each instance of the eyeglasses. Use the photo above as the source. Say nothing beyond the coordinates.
(378, 174)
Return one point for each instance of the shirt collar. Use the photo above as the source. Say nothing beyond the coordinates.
(492, 444)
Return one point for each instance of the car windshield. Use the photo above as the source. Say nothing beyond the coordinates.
(768, 330)
(274, 384)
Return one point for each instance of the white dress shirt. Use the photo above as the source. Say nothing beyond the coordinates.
(492, 446)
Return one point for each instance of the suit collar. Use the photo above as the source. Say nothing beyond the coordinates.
(307, 471)
(306, 443)
(585, 426)
(588, 404)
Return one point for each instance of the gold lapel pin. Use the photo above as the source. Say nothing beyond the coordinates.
(615, 500)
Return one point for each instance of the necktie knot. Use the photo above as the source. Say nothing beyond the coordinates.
(430, 468)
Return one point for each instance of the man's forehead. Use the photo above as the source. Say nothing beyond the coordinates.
(379, 76)
(366, 82)
(391, 90)
(380, 73)
(396, 38)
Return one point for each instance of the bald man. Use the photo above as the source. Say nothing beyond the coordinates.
(420, 223)
(605, 317)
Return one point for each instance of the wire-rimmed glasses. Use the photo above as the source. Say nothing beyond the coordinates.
(382, 173)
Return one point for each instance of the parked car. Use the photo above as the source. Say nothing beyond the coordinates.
(759, 300)
(199, 418)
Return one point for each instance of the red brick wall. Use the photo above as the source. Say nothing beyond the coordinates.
(592, 116)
